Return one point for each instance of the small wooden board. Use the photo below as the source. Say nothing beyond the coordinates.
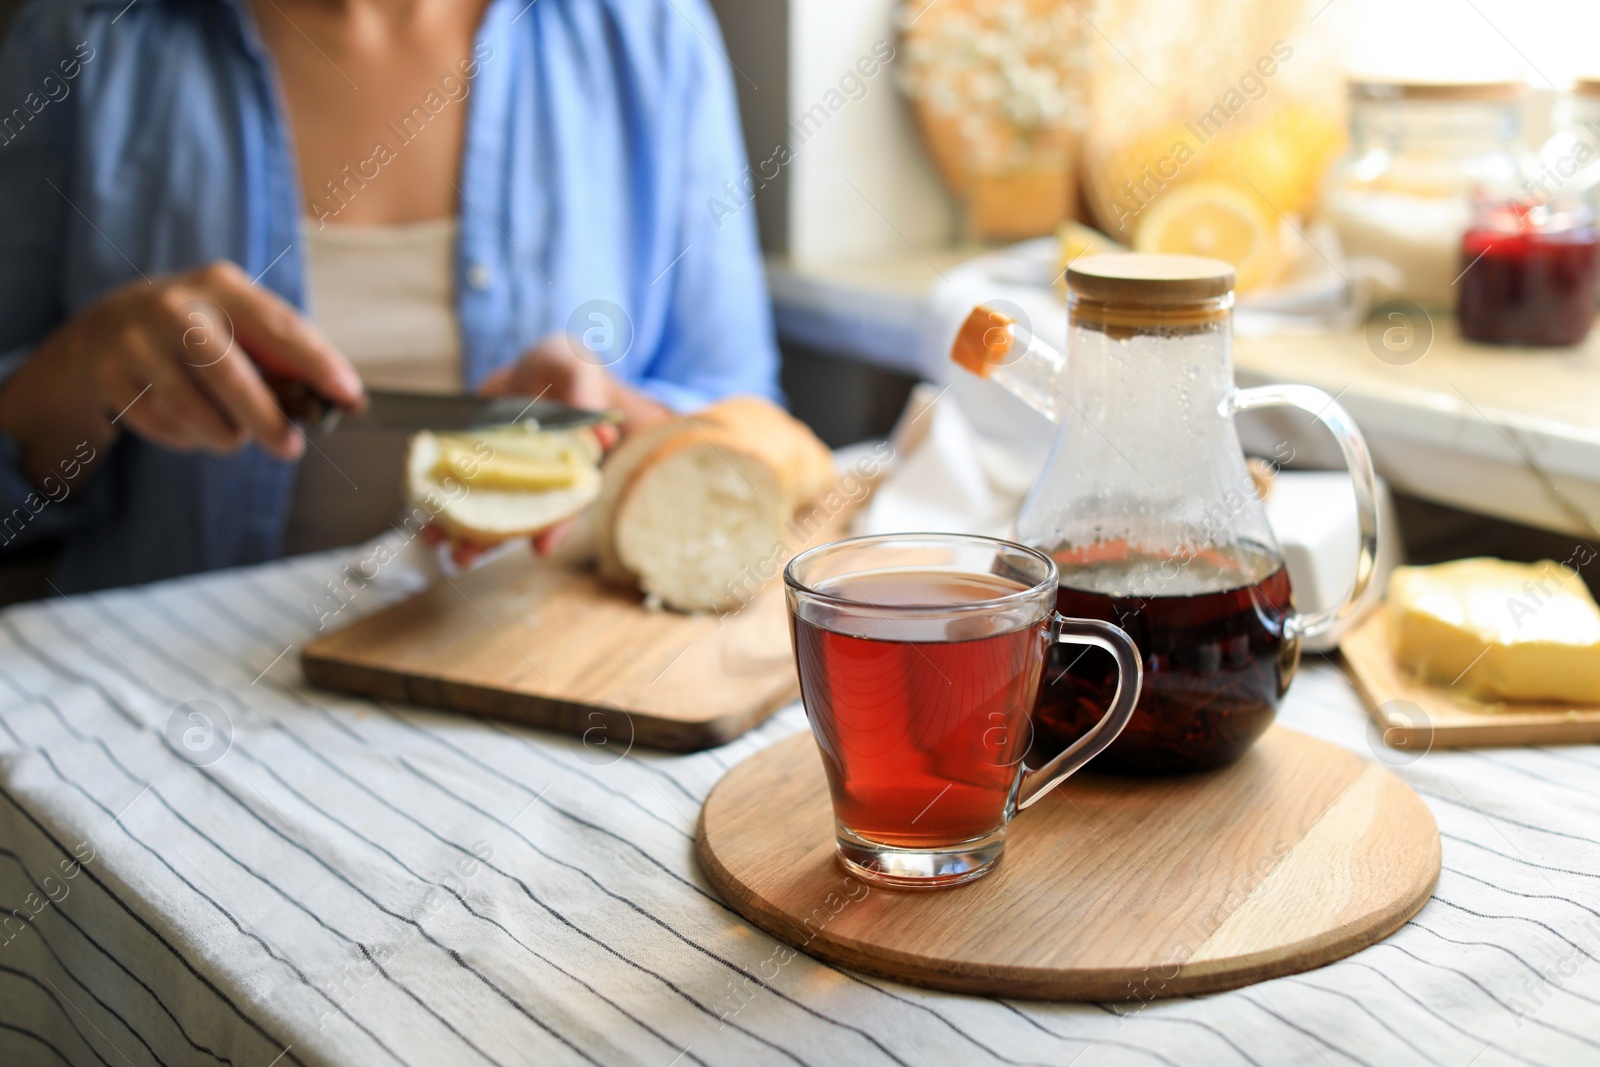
(547, 643)
(1414, 716)
(1111, 888)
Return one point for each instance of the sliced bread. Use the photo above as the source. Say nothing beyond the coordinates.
(695, 511)
(493, 485)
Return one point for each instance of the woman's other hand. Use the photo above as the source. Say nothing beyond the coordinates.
(561, 368)
(179, 360)
(557, 368)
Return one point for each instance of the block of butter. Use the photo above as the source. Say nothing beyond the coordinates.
(1497, 630)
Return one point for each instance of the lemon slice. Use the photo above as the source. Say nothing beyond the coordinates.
(1218, 220)
(1077, 240)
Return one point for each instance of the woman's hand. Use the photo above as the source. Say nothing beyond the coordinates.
(560, 368)
(557, 368)
(179, 361)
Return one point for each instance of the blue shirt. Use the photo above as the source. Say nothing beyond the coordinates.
(150, 138)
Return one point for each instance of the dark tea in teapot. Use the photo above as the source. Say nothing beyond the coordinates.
(1218, 655)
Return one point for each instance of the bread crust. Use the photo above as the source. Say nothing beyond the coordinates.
(619, 470)
(750, 426)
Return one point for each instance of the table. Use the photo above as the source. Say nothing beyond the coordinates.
(1504, 432)
(313, 879)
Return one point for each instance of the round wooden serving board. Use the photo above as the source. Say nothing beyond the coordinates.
(1111, 888)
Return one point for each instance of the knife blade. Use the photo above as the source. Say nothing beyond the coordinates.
(413, 412)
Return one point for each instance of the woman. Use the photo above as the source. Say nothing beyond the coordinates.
(496, 195)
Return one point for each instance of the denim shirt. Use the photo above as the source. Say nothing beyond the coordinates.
(138, 140)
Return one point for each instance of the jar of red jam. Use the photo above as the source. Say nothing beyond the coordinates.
(1528, 274)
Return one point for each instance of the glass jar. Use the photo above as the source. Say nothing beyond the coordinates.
(1527, 272)
(1568, 164)
(1403, 193)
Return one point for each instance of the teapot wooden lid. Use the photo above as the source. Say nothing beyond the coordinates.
(1147, 278)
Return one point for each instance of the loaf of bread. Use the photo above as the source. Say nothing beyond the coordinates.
(493, 485)
(689, 508)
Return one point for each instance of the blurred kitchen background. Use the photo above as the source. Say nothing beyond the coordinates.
(909, 159)
(1337, 151)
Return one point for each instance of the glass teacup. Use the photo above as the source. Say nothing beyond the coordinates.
(920, 659)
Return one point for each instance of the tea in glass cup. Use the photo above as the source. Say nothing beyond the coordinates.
(920, 660)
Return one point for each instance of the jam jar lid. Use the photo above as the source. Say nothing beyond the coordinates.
(1441, 91)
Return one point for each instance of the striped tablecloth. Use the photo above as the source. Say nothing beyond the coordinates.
(311, 879)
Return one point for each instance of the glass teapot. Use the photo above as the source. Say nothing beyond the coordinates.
(1150, 512)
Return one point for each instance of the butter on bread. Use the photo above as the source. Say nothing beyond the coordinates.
(1498, 631)
(500, 483)
(691, 507)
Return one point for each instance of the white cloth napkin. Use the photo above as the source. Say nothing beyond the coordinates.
(947, 477)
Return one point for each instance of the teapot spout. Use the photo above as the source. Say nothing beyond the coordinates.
(993, 345)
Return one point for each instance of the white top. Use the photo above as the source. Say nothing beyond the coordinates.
(385, 296)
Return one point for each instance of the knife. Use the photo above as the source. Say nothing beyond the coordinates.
(414, 412)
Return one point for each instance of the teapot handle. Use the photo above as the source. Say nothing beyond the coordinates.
(1326, 410)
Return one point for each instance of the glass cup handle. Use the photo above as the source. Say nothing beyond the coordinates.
(1130, 677)
(1326, 410)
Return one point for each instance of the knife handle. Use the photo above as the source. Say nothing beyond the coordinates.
(302, 404)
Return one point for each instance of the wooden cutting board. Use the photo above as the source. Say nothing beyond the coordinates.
(1110, 889)
(1414, 716)
(546, 643)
